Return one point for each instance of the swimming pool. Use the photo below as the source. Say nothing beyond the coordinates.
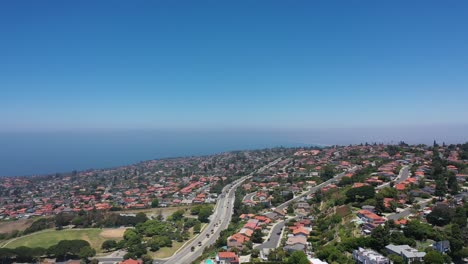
(209, 261)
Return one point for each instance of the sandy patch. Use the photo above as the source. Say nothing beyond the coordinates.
(20, 225)
(113, 233)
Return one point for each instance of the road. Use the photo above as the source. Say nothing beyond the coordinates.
(274, 238)
(115, 256)
(315, 188)
(402, 176)
(249, 196)
(408, 210)
(219, 221)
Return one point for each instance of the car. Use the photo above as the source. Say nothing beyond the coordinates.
(279, 233)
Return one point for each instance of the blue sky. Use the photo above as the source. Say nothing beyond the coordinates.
(232, 64)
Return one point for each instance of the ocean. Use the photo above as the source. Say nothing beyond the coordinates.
(24, 154)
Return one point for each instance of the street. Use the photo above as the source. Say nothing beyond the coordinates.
(219, 221)
(275, 236)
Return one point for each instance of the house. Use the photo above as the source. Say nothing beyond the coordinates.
(442, 246)
(263, 220)
(296, 240)
(303, 205)
(250, 225)
(359, 184)
(408, 253)
(131, 261)
(369, 208)
(317, 261)
(246, 232)
(280, 212)
(370, 217)
(295, 247)
(237, 240)
(227, 257)
(368, 256)
(301, 232)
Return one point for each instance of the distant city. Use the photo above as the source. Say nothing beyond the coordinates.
(366, 203)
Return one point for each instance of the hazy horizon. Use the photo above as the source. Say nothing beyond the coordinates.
(35, 153)
(95, 84)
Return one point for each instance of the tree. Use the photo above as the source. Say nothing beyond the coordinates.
(360, 194)
(6, 254)
(441, 188)
(27, 254)
(66, 248)
(396, 259)
(255, 253)
(345, 181)
(452, 183)
(147, 259)
(109, 244)
(204, 213)
(87, 252)
(441, 215)
(460, 217)
(434, 257)
(155, 203)
(257, 236)
(379, 203)
(298, 257)
(140, 218)
(177, 215)
(290, 209)
(197, 228)
(380, 237)
(417, 230)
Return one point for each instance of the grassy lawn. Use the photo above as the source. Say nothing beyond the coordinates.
(166, 252)
(45, 239)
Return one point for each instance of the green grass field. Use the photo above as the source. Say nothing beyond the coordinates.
(48, 238)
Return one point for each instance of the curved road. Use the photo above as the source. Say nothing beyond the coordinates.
(274, 238)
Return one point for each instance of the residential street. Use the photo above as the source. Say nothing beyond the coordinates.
(274, 238)
(407, 211)
(402, 176)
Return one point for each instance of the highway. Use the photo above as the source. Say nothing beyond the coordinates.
(219, 221)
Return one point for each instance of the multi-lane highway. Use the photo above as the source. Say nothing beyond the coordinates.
(219, 221)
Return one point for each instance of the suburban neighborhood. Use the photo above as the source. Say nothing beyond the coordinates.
(366, 203)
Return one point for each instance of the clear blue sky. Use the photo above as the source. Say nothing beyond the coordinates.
(232, 64)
